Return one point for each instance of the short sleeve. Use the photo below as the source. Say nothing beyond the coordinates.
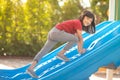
(78, 25)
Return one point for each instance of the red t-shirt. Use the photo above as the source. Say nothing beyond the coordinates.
(70, 26)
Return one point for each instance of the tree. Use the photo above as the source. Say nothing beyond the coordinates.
(24, 26)
(5, 23)
(100, 8)
(71, 9)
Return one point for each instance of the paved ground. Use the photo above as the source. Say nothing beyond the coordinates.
(16, 62)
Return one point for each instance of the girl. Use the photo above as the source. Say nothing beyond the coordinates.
(68, 31)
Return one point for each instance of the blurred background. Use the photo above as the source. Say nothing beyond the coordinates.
(24, 24)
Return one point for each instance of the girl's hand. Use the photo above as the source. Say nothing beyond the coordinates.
(82, 50)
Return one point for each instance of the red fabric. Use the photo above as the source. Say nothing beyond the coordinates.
(70, 26)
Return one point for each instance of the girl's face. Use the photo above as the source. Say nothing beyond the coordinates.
(87, 21)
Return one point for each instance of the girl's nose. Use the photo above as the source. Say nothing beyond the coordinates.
(88, 22)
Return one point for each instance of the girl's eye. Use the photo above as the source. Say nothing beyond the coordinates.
(90, 20)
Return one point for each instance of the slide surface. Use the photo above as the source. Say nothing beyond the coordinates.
(102, 50)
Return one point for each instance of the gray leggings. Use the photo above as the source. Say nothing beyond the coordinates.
(54, 36)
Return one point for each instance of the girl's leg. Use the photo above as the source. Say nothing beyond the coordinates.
(47, 47)
(64, 37)
(66, 48)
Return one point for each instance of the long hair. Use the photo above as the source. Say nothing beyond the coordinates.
(91, 28)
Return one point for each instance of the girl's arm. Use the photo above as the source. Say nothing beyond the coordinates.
(80, 42)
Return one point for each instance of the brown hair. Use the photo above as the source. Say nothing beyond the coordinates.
(91, 28)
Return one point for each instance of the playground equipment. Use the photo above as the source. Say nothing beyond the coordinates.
(102, 50)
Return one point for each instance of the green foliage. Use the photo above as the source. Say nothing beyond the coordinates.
(24, 26)
(100, 8)
(72, 8)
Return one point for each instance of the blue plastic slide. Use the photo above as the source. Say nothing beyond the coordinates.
(102, 50)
